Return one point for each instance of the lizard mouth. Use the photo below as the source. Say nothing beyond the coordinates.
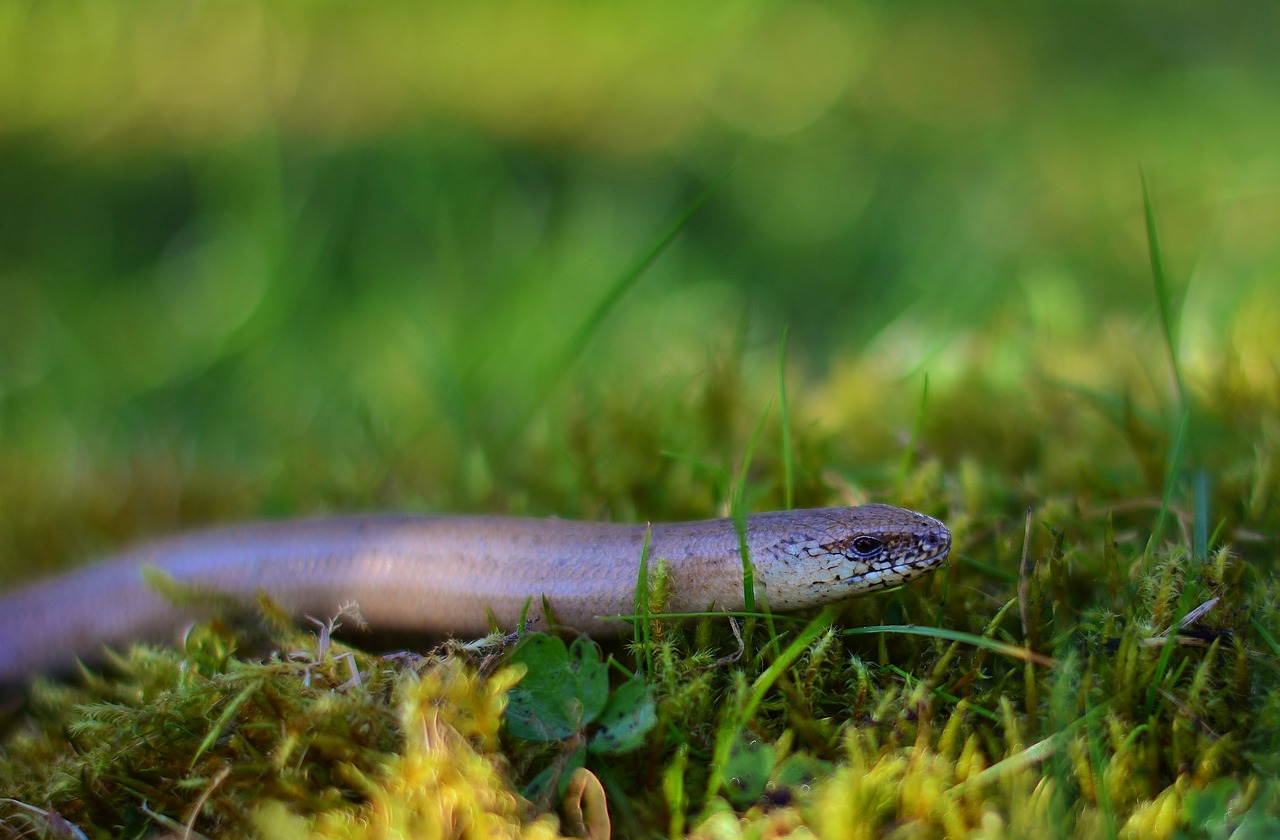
(940, 553)
(934, 549)
(930, 553)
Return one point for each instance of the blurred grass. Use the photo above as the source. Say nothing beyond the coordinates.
(273, 258)
(385, 220)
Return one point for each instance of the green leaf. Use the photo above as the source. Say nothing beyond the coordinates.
(751, 762)
(555, 776)
(794, 778)
(626, 719)
(799, 771)
(562, 691)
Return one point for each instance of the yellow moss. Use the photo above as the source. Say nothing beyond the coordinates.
(972, 761)
(903, 786)
(1155, 819)
(445, 783)
(1031, 808)
(755, 824)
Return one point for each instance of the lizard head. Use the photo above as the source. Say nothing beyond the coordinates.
(829, 554)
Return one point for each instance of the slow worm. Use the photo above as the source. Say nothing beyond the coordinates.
(447, 574)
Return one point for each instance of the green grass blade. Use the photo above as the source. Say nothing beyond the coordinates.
(738, 507)
(590, 325)
(684, 616)
(1266, 635)
(1164, 295)
(909, 451)
(1002, 648)
(912, 680)
(1170, 481)
(733, 724)
(1032, 755)
(1191, 591)
(642, 603)
(1098, 759)
(1200, 519)
(224, 720)
(784, 412)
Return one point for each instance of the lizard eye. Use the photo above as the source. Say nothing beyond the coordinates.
(867, 547)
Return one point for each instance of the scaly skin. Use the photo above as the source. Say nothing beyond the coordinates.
(445, 574)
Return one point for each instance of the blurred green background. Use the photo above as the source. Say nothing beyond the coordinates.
(280, 257)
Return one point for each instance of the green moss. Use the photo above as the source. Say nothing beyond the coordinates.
(1078, 704)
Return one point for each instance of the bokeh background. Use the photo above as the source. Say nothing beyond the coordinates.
(266, 258)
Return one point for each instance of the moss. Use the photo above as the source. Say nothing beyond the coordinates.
(885, 735)
(446, 780)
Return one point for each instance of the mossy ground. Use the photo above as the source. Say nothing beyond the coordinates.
(1085, 704)
(263, 259)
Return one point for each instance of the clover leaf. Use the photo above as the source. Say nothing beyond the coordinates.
(565, 695)
(563, 690)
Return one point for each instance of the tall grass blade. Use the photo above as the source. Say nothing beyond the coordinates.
(1164, 295)
(1098, 759)
(641, 606)
(909, 452)
(1172, 472)
(591, 324)
(738, 508)
(788, 481)
(734, 723)
(1200, 518)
